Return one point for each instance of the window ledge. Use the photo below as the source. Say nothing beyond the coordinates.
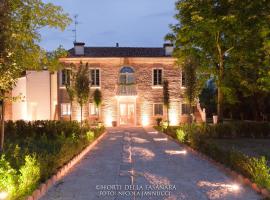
(157, 86)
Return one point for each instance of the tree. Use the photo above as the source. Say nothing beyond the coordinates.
(71, 91)
(82, 87)
(20, 22)
(225, 35)
(166, 98)
(192, 89)
(97, 96)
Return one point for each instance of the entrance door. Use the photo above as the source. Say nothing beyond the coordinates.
(127, 113)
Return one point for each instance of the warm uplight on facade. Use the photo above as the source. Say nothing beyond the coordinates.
(145, 120)
(108, 119)
(3, 195)
(173, 114)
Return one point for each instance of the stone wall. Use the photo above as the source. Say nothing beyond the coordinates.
(147, 94)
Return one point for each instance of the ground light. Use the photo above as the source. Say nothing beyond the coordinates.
(235, 187)
(160, 139)
(3, 195)
(173, 152)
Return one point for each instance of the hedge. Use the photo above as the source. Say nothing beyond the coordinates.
(34, 151)
(197, 136)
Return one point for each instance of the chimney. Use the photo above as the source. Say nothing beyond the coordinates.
(168, 49)
(117, 44)
(79, 48)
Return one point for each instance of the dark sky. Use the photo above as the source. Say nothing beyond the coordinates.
(135, 23)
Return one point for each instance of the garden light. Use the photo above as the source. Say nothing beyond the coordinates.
(173, 152)
(3, 195)
(160, 139)
(235, 187)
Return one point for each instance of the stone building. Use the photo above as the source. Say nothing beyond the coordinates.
(129, 78)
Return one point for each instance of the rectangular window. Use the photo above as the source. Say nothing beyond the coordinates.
(183, 79)
(158, 109)
(93, 109)
(157, 76)
(95, 77)
(185, 108)
(65, 77)
(65, 109)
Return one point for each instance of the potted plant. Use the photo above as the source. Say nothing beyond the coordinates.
(158, 120)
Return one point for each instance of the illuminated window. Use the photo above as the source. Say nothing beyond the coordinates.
(93, 109)
(95, 77)
(127, 76)
(65, 109)
(158, 109)
(65, 77)
(157, 77)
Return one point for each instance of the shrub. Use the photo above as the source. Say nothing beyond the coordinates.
(165, 125)
(29, 175)
(35, 150)
(90, 136)
(181, 135)
(8, 177)
(259, 171)
(197, 137)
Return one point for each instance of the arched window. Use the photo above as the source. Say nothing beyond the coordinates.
(127, 76)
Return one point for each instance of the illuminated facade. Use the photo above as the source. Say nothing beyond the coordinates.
(130, 80)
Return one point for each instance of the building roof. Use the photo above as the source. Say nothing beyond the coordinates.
(120, 52)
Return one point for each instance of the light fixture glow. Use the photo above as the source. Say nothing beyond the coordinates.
(173, 152)
(160, 139)
(153, 132)
(235, 187)
(145, 120)
(3, 195)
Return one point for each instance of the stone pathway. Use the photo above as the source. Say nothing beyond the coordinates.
(137, 163)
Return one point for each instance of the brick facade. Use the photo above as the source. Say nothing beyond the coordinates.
(147, 94)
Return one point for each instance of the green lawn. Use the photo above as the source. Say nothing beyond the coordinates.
(251, 147)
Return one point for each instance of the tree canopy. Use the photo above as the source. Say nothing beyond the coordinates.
(20, 22)
(230, 38)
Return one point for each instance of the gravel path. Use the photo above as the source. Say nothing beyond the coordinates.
(137, 163)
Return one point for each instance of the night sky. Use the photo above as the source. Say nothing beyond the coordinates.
(136, 23)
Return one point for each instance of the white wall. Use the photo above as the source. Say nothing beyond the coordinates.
(19, 108)
(38, 95)
(36, 92)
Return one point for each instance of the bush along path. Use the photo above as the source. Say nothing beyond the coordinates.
(35, 151)
(253, 171)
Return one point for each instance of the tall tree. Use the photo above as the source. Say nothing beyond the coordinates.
(221, 34)
(166, 98)
(20, 22)
(97, 96)
(82, 86)
(192, 89)
(71, 90)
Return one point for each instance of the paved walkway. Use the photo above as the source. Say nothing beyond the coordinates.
(135, 158)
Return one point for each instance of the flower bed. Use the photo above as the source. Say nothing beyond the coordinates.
(35, 151)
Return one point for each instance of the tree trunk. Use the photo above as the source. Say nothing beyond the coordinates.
(2, 126)
(220, 105)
